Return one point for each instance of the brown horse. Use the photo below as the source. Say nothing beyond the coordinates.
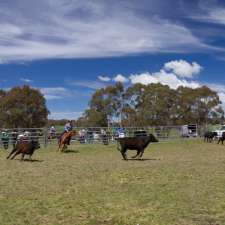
(63, 141)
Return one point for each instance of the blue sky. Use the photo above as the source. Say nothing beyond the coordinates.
(69, 48)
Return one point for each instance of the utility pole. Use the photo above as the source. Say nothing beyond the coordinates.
(108, 121)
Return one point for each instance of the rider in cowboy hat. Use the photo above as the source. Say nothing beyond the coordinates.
(68, 127)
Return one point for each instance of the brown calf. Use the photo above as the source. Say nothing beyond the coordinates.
(24, 148)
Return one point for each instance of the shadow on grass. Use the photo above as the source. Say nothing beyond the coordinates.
(142, 159)
(29, 160)
(71, 151)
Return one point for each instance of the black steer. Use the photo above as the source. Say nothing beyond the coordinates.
(24, 148)
(209, 135)
(222, 138)
(135, 143)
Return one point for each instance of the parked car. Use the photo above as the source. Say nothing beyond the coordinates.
(189, 130)
(220, 131)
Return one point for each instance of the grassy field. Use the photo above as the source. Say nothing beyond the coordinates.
(177, 183)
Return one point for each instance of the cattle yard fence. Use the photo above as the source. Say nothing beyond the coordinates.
(104, 135)
(10, 136)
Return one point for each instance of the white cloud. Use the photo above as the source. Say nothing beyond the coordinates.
(64, 115)
(210, 12)
(173, 80)
(26, 80)
(220, 89)
(104, 78)
(183, 68)
(222, 97)
(81, 29)
(162, 77)
(215, 15)
(52, 93)
(178, 69)
(120, 78)
(216, 87)
(88, 84)
(3, 61)
(52, 97)
(143, 78)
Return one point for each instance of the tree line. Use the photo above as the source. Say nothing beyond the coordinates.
(22, 107)
(137, 105)
(152, 105)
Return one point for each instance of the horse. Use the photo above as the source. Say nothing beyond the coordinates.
(64, 140)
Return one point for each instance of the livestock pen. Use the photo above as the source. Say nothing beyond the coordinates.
(104, 135)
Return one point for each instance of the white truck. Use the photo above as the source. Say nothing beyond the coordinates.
(189, 130)
(220, 131)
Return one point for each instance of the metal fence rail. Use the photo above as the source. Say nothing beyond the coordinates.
(106, 135)
(12, 135)
(89, 135)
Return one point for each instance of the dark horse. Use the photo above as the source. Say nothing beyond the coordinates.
(65, 139)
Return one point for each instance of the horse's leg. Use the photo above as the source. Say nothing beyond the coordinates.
(17, 153)
(60, 141)
(62, 147)
(11, 153)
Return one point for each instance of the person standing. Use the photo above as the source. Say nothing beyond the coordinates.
(52, 132)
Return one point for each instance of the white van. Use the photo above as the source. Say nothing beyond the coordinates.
(220, 131)
(189, 130)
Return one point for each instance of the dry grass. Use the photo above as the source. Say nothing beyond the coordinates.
(178, 183)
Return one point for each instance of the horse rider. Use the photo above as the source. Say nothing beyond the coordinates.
(67, 128)
(24, 136)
